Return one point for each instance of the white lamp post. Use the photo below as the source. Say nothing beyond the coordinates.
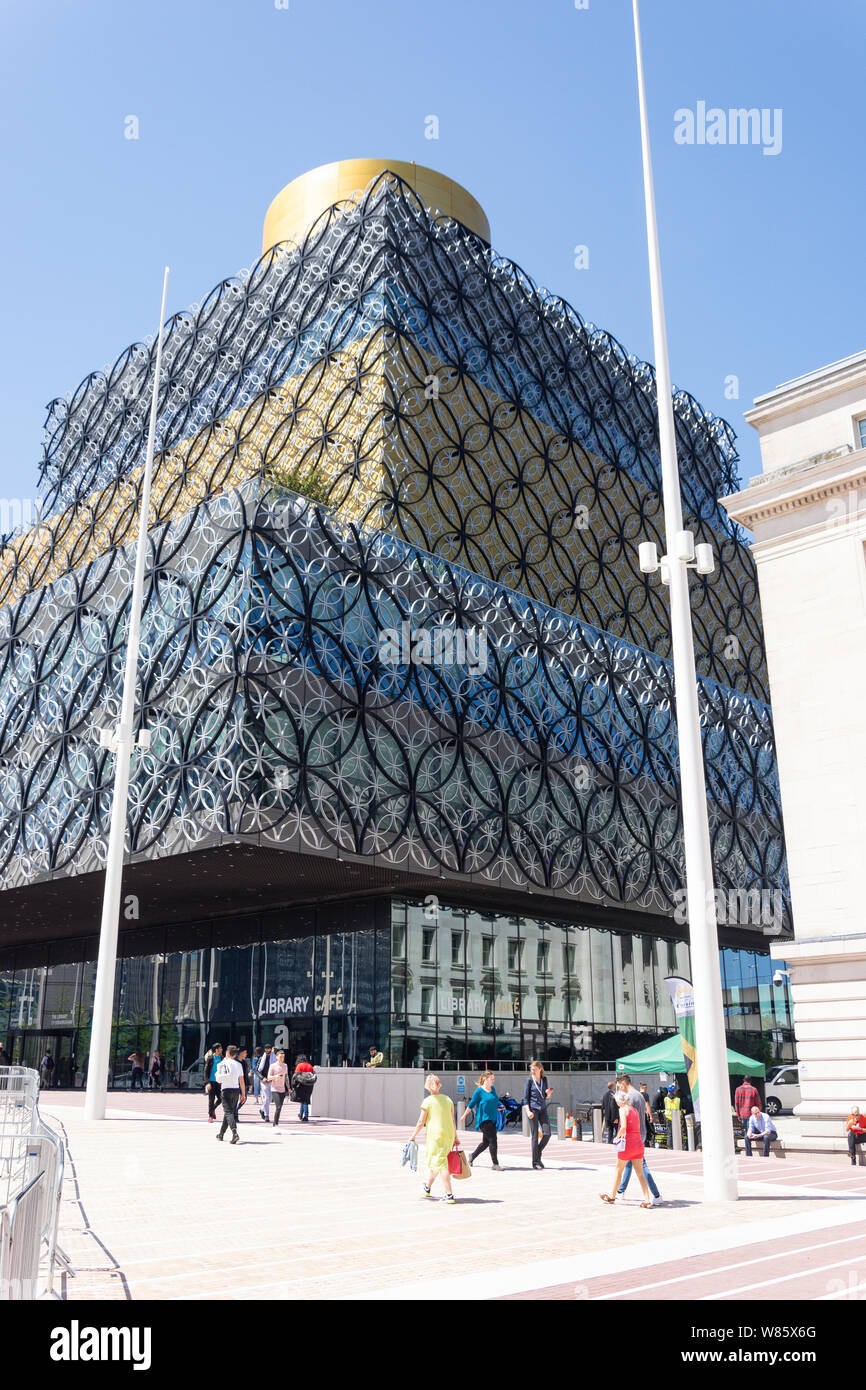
(120, 743)
(720, 1182)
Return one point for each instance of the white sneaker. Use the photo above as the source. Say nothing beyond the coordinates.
(657, 1201)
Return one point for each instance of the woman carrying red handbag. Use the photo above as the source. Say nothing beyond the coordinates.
(437, 1116)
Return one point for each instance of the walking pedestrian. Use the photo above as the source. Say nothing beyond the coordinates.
(376, 1058)
(155, 1072)
(212, 1059)
(137, 1060)
(485, 1106)
(856, 1130)
(760, 1126)
(629, 1147)
(46, 1070)
(243, 1058)
(257, 1077)
(437, 1117)
(230, 1079)
(303, 1081)
(638, 1101)
(265, 1088)
(610, 1112)
(745, 1097)
(536, 1094)
(278, 1076)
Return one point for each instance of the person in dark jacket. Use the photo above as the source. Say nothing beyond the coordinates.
(661, 1095)
(610, 1112)
(536, 1094)
(303, 1081)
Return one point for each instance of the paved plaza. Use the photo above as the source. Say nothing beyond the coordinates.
(154, 1208)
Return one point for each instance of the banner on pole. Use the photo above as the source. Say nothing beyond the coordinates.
(683, 1000)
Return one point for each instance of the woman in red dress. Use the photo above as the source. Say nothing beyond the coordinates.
(629, 1146)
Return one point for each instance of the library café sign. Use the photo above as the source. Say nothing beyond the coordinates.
(298, 1005)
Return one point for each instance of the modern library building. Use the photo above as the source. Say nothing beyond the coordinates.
(412, 774)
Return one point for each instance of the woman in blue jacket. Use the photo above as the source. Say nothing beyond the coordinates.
(485, 1104)
(536, 1094)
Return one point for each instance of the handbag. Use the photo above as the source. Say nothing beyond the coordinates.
(458, 1163)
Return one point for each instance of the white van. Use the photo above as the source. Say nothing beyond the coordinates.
(783, 1089)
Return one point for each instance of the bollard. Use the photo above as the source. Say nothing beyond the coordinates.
(676, 1131)
(577, 1127)
(560, 1122)
(690, 1132)
(596, 1124)
(524, 1123)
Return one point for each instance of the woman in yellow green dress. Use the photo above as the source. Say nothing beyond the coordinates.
(437, 1115)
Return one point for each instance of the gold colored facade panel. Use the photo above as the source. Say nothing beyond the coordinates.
(296, 207)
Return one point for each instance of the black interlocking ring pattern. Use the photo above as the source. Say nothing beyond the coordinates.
(489, 462)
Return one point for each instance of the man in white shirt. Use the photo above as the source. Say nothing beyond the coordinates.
(760, 1126)
(230, 1076)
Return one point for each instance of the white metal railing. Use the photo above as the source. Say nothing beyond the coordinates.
(31, 1185)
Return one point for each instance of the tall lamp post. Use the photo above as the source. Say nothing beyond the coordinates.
(720, 1182)
(121, 743)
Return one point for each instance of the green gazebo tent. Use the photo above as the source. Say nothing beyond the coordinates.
(668, 1056)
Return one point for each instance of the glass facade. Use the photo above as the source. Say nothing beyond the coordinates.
(441, 984)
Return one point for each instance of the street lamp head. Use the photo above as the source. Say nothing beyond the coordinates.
(705, 561)
(648, 557)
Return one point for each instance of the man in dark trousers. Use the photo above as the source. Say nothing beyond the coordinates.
(610, 1112)
(230, 1079)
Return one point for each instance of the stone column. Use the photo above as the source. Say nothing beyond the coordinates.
(809, 523)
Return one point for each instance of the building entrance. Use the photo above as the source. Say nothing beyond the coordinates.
(28, 1049)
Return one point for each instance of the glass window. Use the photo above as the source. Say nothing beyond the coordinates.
(427, 993)
(623, 980)
(642, 972)
(602, 976)
(457, 948)
(398, 940)
(428, 943)
(487, 945)
(568, 958)
(515, 950)
(861, 432)
(542, 965)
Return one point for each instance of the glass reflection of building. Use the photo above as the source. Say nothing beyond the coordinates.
(452, 984)
(383, 427)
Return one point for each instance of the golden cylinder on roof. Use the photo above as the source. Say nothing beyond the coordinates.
(296, 207)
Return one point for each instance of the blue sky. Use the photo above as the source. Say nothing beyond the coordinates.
(762, 254)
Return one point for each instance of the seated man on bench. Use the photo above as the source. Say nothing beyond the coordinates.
(856, 1128)
(760, 1126)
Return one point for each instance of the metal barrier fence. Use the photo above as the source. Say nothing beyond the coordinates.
(19, 1092)
(31, 1184)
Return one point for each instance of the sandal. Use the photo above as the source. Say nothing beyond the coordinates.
(605, 1198)
(646, 1204)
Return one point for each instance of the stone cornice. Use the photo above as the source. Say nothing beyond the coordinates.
(807, 390)
(784, 492)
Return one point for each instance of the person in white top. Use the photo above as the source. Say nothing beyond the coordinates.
(278, 1078)
(230, 1076)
